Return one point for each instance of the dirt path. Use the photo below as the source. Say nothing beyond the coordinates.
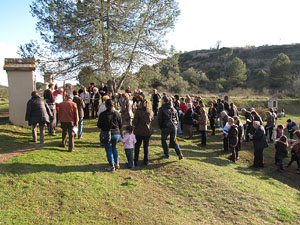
(6, 156)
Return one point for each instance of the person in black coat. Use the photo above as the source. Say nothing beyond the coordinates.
(168, 121)
(240, 126)
(212, 115)
(155, 97)
(220, 109)
(110, 120)
(259, 142)
(37, 112)
(248, 126)
(233, 139)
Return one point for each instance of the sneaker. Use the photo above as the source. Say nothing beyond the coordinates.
(117, 166)
(180, 157)
(166, 156)
(110, 168)
(71, 150)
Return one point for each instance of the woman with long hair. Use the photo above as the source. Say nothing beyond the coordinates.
(110, 120)
(143, 130)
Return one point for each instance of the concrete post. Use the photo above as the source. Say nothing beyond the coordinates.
(21, 82)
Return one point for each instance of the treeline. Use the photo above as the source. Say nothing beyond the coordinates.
(220, 71)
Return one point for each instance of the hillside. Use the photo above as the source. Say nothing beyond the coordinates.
(256, 58)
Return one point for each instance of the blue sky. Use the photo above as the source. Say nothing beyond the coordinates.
(236, 23)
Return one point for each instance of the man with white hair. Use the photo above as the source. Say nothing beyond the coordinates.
(259, 142)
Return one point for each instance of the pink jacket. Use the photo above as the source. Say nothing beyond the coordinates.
(128, 140)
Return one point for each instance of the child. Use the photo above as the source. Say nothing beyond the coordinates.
(129, 141)
(279, 131)
(281, 152)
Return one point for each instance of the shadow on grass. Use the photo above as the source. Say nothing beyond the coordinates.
(27, 168)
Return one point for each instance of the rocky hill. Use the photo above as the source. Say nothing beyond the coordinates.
(256, 58)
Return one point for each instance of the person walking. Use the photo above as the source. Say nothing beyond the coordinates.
(37, 112)
(110, 120)
(68, 115)
(143, 130)
(203, 125)
(50, 100)
(167, 121)
(259, 142)
(80, 107)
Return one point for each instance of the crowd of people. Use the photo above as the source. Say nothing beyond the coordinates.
(132, 112)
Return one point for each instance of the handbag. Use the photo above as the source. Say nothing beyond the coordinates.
(105, 137)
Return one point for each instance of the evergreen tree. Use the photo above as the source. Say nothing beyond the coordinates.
(280, 71)
(236, 75)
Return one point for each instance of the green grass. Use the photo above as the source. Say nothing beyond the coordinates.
(52, 186)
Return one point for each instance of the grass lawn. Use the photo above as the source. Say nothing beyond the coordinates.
(52, 186)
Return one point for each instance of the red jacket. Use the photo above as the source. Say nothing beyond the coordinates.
(68, 111)
(183, 107)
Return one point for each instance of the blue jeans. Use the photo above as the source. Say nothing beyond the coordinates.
(173, 144)
(111, 150)
(80, 126)
(129, 155)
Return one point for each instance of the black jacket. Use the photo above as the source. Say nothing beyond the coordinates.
(188, 117)
(212, 113)
(232, 112)
(226, 106)
(37, 111)
(80, 105)
(110, 121)
(233, 135)
(155, 99)
(167, 116)
(220, 107)
(259, 138)
(281, 151)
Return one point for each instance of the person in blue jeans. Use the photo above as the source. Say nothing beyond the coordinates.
(167, 121)
(110, 120)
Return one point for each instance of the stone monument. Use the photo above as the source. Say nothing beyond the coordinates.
(21, 82)
(273, 103)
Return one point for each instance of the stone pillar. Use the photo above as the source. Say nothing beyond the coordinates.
(21, 82)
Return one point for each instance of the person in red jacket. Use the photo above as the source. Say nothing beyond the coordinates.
(68, 115)
(183, 106)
